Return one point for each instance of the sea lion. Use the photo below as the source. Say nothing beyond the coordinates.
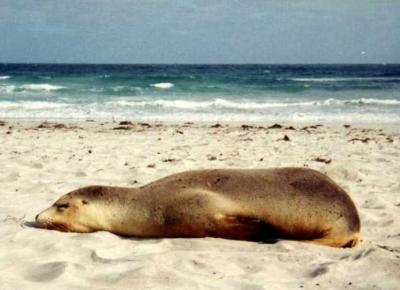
(257, 205)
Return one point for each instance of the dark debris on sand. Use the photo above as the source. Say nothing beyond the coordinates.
(363, 140)
(247, 127)
(169, 160)
(125, 123)
(211, 158)
(389, 139)
(128, 125)
(275, 126)
(316, 126)
(323, 160)
(216, 126)
(147, 125)
(285, 138)
(187, 124)
(122, 128)
(48, 125)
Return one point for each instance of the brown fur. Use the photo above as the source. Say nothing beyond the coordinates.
(259, 205)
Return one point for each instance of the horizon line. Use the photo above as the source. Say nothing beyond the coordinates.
(187, 64)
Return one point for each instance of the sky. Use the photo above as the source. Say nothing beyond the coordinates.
(207, 31)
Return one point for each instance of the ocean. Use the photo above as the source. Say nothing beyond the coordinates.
(294, 93)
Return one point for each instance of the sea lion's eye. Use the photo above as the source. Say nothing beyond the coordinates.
(64, 205)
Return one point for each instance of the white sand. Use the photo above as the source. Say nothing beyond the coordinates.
(39, 165)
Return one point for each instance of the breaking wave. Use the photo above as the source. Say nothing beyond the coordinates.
(41, 87)
(26, 105)
(212, 110)
(163, 85)
(30, 88)
(222, 103)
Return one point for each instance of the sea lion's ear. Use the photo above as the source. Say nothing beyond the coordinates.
(84, 201)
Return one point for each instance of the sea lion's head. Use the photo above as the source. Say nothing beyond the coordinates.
(73, 212)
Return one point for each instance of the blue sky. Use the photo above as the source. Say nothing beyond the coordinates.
(186, 31)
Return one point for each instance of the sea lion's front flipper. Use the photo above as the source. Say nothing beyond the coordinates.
(243, 227)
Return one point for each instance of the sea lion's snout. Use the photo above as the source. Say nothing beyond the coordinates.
(48, 219)
(67, 214)
(43, 218)
(38, 219)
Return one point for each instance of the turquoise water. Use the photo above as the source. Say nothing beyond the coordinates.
(324, 93)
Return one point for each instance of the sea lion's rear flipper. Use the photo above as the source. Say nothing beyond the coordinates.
(242, 227)
(337, 241)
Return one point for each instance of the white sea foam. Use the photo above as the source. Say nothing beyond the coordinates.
(96, 90)
(41, 87)
(7, 88)
(361, 101)
(217, 103)
(207, 110)
(28, 105)
(118, 88)
(159, 110)
(163, 85)
(243, 105)
(193, 105)
(345, 79)
(322, 80)
(4, 77)
(213, 106)
(30, 88)
(126, 88)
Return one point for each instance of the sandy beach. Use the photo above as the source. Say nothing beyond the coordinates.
(40, 161)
